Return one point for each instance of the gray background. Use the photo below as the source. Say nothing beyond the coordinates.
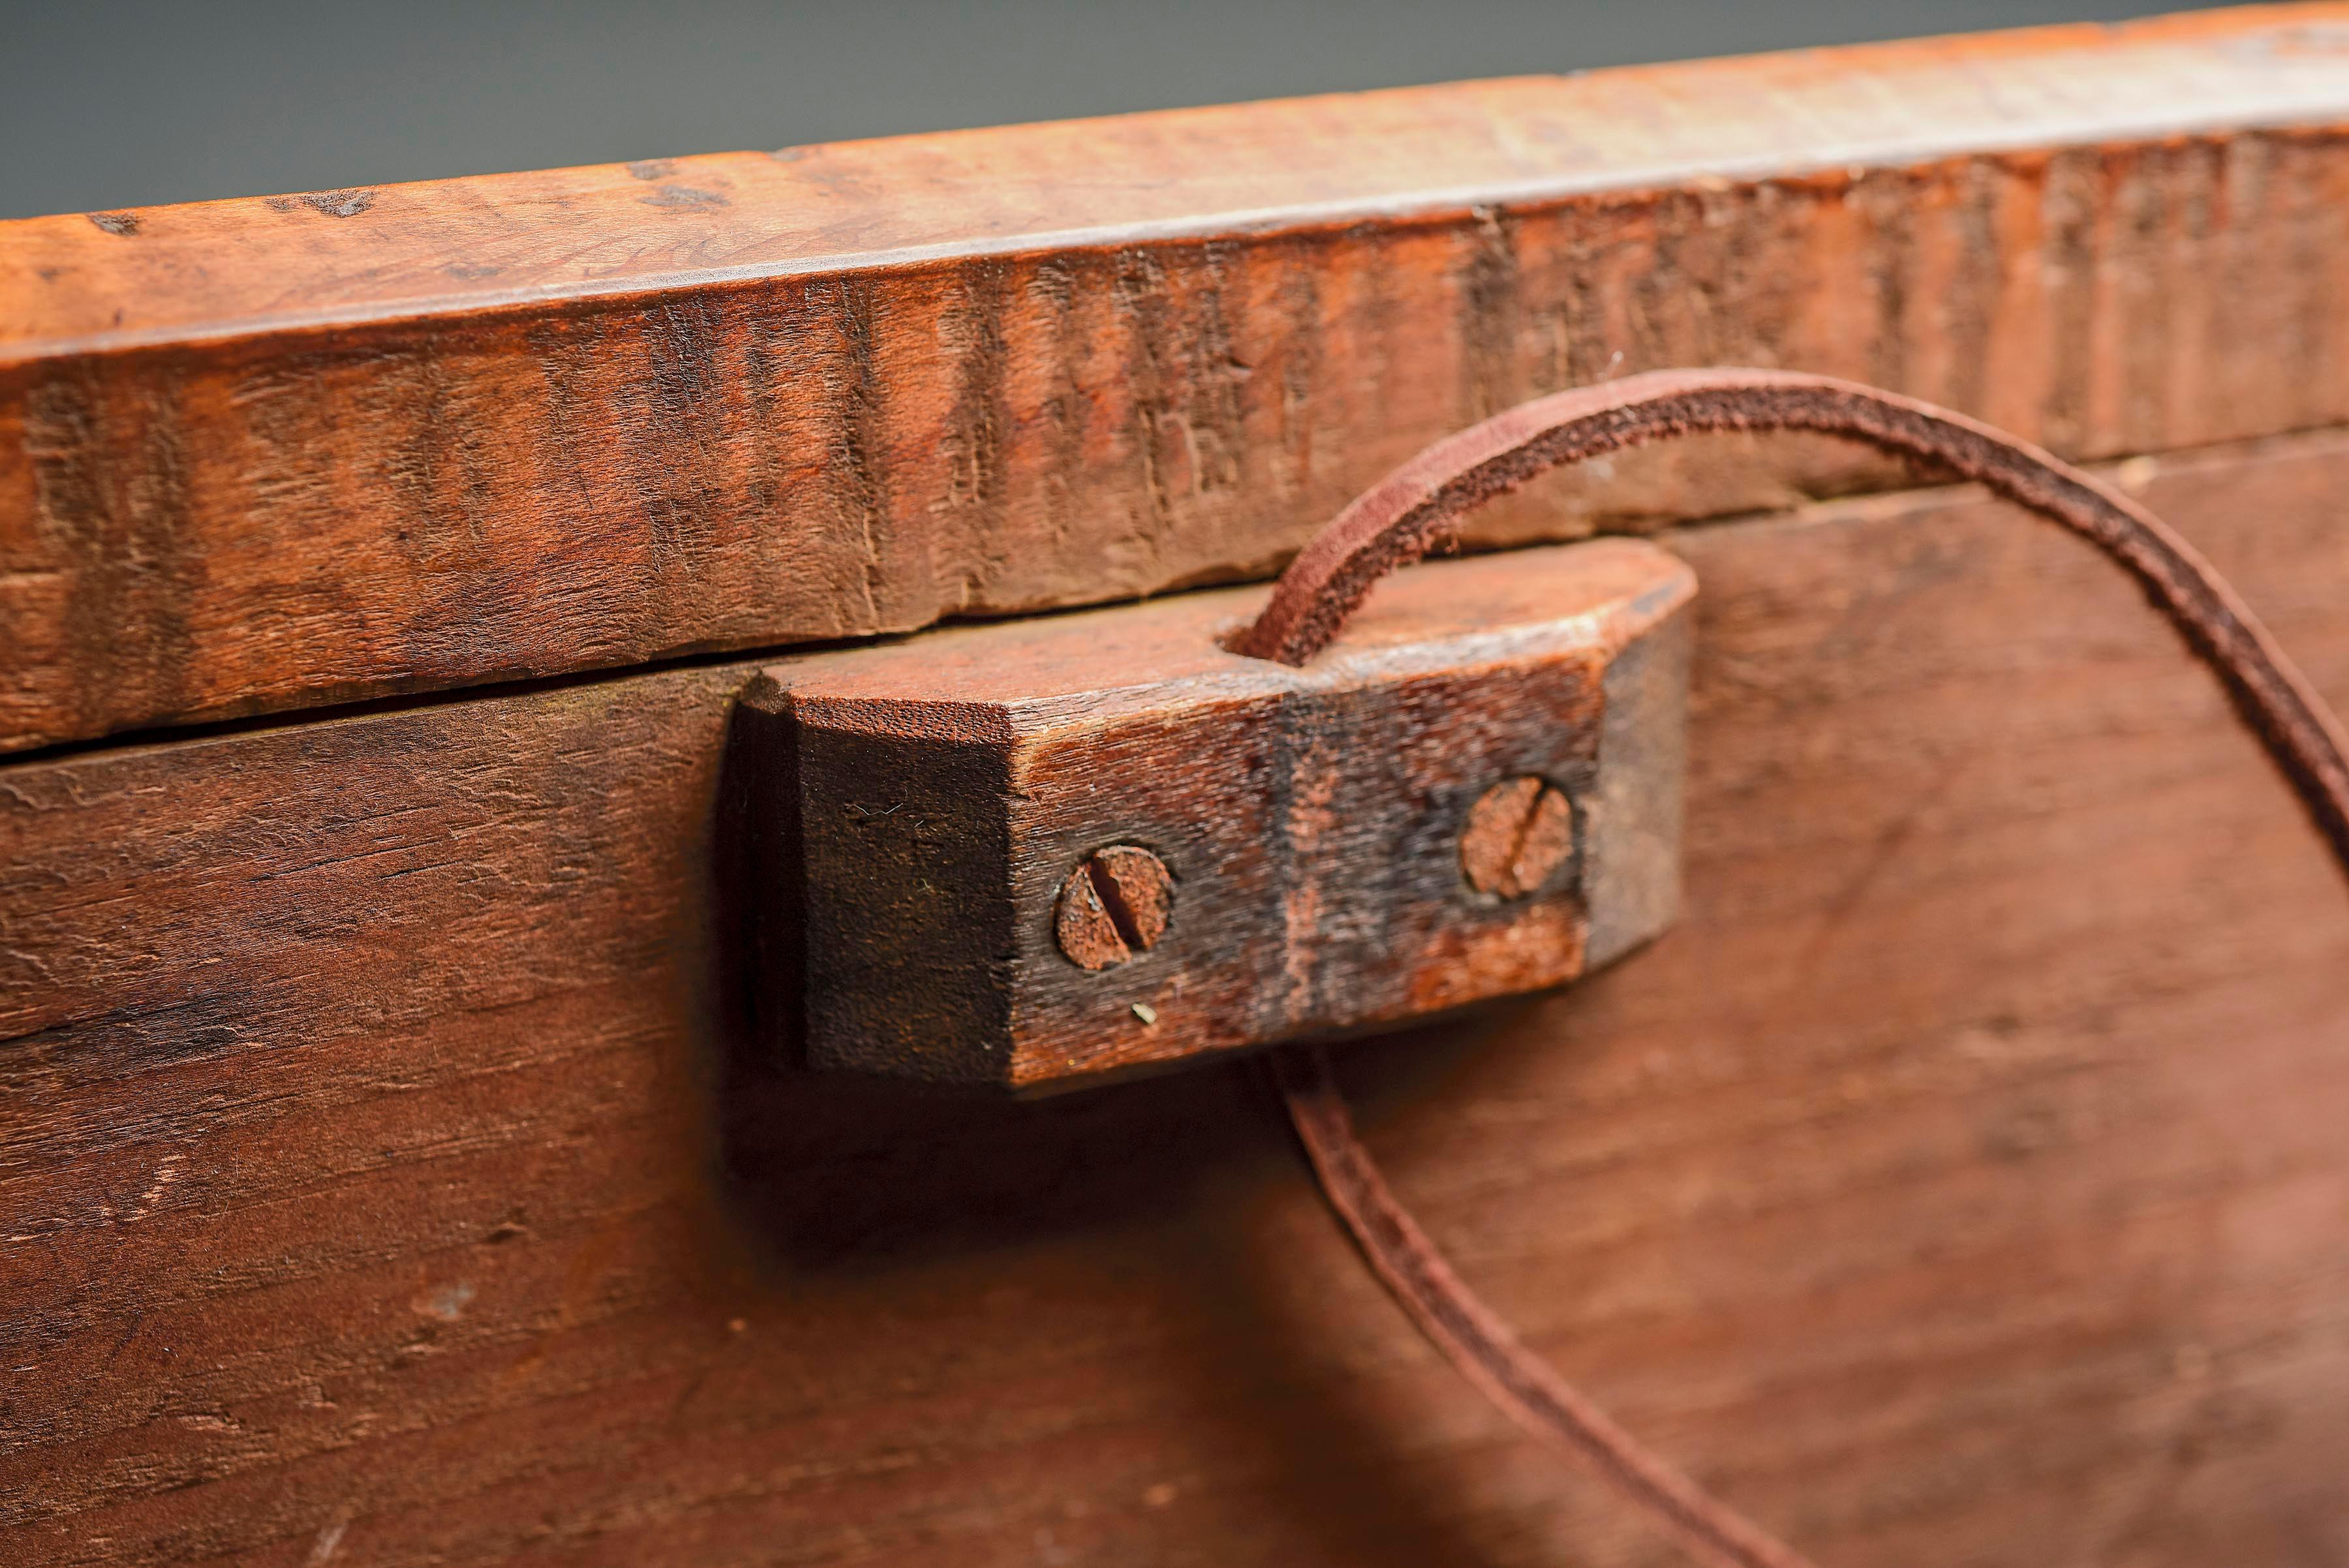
(138, 101)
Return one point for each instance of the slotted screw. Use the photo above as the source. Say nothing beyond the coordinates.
(1114, 905)
(1518, 832)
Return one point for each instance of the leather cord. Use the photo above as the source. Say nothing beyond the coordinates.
(1397, 519)
(1484, 1349)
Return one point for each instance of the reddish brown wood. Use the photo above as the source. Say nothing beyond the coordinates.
(1396, 522)
(261, 454)
(390, 1171)
(950, 792)
(384, 1171)
(1422, 504)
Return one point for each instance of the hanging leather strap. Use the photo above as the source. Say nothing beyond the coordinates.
(1483, 1346)
(1419, 504)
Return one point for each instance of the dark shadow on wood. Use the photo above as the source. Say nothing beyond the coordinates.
(824, 1173)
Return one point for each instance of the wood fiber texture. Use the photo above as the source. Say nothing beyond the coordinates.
(264, 454)
(386, 1177)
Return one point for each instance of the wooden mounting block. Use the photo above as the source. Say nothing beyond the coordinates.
(1035, 853)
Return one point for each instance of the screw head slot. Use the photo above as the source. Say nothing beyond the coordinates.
(1518, 833)
(1113, 905)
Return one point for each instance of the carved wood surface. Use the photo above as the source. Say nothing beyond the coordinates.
(261, 454)
(386, 1179)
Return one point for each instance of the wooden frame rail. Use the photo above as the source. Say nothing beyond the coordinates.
(258, 455)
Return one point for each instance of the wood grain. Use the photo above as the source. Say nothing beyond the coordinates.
(387, 1179)
(261, 454)
(1312, 820)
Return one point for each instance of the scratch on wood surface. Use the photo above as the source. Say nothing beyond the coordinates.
(340, 203)
(852, 406)
(329, 1539)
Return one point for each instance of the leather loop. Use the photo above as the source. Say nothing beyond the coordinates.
(1397, 519)
(1484, 1349)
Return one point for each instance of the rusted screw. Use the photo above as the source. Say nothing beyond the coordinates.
(1113, 905)
(1518, 832)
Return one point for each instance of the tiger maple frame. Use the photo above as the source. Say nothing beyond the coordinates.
(267, 455)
